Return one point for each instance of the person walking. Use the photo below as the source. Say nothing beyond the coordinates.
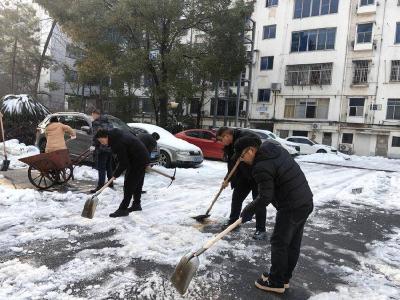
(55, 132)
(133, 157)
(281, 182)
(102, 154)
(241, 182)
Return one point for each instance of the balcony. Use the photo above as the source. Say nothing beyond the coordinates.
(366, 9)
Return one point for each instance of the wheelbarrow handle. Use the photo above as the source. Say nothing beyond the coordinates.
(219, 236)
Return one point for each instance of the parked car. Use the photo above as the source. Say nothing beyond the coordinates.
(206, 140)
(82, 123)
(292, 148)
(308, 146)
(173, 151)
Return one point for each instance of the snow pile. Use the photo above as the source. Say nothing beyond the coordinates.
(23, 104)
(15, 151)
(340, 159)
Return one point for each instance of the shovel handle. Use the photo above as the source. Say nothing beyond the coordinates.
(219, 236)
(2, 134)
(104, 187)
(159, 172)
(226, 180)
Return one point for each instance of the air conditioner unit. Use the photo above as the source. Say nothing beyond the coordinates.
(346, 148)
(276, 87)
(316, 126)
(375, 107)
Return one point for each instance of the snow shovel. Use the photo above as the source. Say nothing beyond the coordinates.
(189, 263)
(201, 218)
(6, 162)
(163, 174)
(91, 204)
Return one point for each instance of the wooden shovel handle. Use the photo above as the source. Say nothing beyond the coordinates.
(222, 234)
(226, 180)
(2, 134)
(104, 187)
(159, 172)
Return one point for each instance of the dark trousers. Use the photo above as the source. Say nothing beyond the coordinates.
(286, 242)
(134, 179)
(240, 192)
(104, 167)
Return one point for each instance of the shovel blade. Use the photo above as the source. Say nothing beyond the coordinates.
(201, 218)
(184, 272)
(6, 164)
(90, 208)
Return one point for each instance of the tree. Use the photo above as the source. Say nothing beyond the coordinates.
(146, 38)
(19, 49)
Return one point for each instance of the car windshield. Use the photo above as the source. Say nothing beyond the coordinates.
(117, 123)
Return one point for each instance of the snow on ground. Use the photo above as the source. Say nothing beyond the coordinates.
(15, 151)
(373, 162)
(163, 232)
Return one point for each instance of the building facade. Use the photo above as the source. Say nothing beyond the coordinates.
(329, 70)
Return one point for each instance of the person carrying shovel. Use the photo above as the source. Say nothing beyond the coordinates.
(133, 157)
(280, 182)
(241, 182)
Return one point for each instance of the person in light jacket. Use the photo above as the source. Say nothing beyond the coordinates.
(55, 132)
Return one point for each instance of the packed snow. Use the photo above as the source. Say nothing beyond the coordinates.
(31, 221)
(16, 150)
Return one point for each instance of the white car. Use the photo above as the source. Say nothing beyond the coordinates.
(292, 148)
(173, 151)
(308, 146)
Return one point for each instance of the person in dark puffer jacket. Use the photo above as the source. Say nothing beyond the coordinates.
(282, 183)
(133, 157)
(242, 182)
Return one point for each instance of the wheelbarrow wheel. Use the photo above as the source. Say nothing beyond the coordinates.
(39, 179)
(62, 176)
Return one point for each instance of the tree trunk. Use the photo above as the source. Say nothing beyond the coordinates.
(39, 69)
(200, 105)
(13, 66)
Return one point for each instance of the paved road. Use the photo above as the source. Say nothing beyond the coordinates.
(323, 250)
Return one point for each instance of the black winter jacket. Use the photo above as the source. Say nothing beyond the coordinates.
(243, 173)
(130, 151)
(148, 140)
(279, 178)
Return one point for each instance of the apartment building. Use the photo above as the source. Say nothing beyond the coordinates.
(329, 70)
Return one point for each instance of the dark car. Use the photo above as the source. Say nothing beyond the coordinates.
(82, 124)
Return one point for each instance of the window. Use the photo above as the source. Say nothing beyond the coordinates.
(314, 74)
(356, 107)
(364, 33)
(366, 2)
(306, 108)
(194, 134)
(300, 133)
(396, 141)
(283, 133)
(308, 8)
(393, 109)
(361, 71)
(264, 95)
(267, 63)
(311, 40)
(207, 135)
(304, 141)
(395, 71)
(397, 39)
(79, 123)
(347, 138)
(269, 32)
(271, 3)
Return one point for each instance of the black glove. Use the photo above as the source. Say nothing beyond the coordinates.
(249, 211)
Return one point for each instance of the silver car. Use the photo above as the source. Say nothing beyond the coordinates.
(173, 151)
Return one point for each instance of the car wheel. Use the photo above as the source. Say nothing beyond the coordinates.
(321, 151)
(42, 145)
(165, 160)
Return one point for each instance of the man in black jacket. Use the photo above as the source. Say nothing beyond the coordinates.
(149, 140)
(133, 157)
(102, 154)
(280, 182)
(241, 182)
